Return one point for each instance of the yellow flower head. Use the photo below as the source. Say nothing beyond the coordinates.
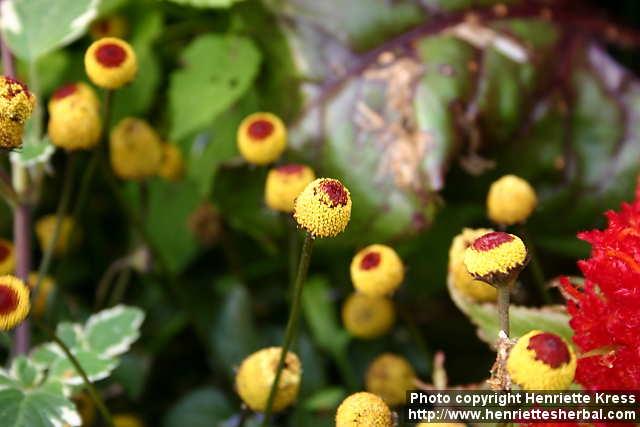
(135, 149)
(172, 166)
(127, 420)
(363, 410)
(390, 376)
(496, 257)
(7, 257)
(262, 137)
(323, 208)
(474, 289)
(542, 361)
(45, 228)
(74, 117)
(16, 106)
(283, 185)
(109, 26)
(42, 295)
(14, 302)
(110, 63)
(377, 270)
(511, 199)
(256, 374)
(368, 317)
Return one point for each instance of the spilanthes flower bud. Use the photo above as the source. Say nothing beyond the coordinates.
(14, 302)
(460, 278)
(368, 317)
(256, 374)
(323, 208)
(172, 165)
(262, 137)
(511, 200)
(74, 117)
(135, 149)
(127, 420)
(43, 293)
(45, 228)
(16, 106)
(363, 410)
(496, 257)
(542, 361)
(7, 257)
(390, 376)
(109, 26)
(283, 185)
(110, 63)
(377, 270)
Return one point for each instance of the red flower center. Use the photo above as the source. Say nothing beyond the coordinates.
(260, 129)
(8, 299)
(550, 349)
(110, 55)
(291, 169)
(491, 240)
(336, 191)
(370, 260)
(65, 91)
(4, 252)
(15, 91)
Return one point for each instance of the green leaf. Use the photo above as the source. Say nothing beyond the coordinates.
(44, 406)
(205, 407)
(25, 372)
(233, 335)
(207, 3)
(33, 152)
(170, 204)
(95, 366)
(325, 400)
(33, 28)
(217, 71)
(522, 319)
(111, 332)
(320, 313)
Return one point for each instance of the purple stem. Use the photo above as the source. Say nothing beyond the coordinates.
(21, 227)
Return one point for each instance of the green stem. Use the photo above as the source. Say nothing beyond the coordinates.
(503, 306)
(103, 285)
(95, 396)
(292, 323)
(293, 253)
(536, 267)
(120, 287)
(61, 212)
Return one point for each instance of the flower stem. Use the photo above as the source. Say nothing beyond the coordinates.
(293, 253)
(95, 396)
(61, 213)
(503, 306)
(292, 323)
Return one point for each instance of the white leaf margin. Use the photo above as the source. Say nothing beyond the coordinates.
(124, 345)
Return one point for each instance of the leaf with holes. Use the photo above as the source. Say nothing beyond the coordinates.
(216, 71)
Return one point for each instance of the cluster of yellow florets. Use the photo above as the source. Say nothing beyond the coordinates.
(495, 257)
(367, 317)
(16, 106)
(390, 376)
(377, 270)
(7, 257)
(256, 374)
(261, 138)
(109, 26)
(542, 361)
(323, 208)
(284, 183)
(511, 200)
(459, 276)
(74, 117)
(110, 63)
(363, 410)
(14, 302)
(135, 149)
(45, 228)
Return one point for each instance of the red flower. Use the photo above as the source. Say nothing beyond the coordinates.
(605, 315)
